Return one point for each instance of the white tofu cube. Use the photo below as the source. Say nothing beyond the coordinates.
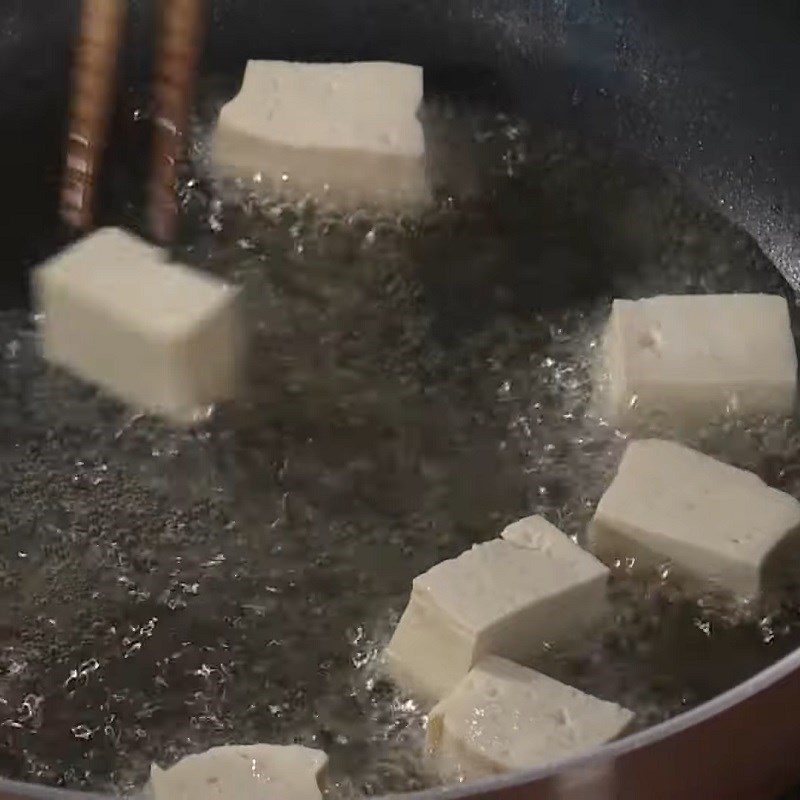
(348, 132)
(693, 358)
(536, 533)
(160, 336)
(504, 717)
(497, 598)
(712, 521)
(251, 772)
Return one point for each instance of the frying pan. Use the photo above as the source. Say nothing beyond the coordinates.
(707, 89)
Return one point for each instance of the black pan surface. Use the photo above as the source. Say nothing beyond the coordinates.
(705, 93)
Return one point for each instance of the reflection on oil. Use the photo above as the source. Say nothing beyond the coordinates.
(415, 385)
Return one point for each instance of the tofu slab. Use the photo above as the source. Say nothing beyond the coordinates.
(696, 357)
(346, 132)
(537, 534)
(160, 336)
(712, 521)
(503, 717)
(244, 772)
(500, 598)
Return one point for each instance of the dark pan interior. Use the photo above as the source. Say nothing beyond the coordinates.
(704, 89)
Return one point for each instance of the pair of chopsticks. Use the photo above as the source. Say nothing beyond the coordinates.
(93, 90)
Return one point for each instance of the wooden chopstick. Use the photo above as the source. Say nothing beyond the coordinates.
(94, 77)
(176, 63)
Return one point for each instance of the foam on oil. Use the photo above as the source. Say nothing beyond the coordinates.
(415, 385)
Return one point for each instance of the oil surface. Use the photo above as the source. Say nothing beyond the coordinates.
(414, 386)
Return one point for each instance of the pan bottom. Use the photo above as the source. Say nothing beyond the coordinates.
(415, 385)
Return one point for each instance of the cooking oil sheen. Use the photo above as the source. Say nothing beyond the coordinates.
(414, 385)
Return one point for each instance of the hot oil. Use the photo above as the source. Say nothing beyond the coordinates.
(414, 386)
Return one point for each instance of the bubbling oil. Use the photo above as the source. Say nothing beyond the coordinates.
(415, 385)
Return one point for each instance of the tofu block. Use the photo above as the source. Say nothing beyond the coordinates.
(536, 533)
(160, 336)
(498, 598)
(503, 717)
(346, 132)
(251, 772)
(712, 521)
(693, 358)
